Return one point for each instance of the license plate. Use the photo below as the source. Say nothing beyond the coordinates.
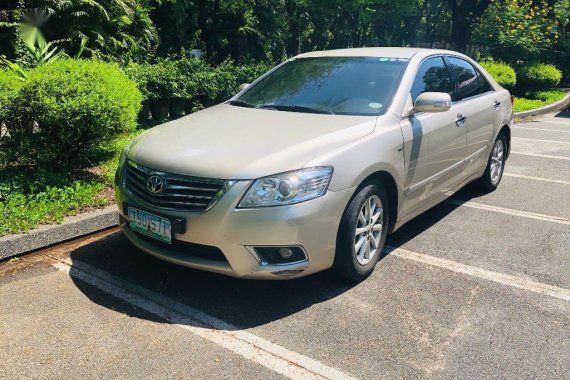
(150, 225)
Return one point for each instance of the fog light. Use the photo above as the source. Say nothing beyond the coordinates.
(279, 255)
(286, 253)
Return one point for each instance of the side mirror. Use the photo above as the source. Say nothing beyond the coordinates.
(243, 86)
(432, 102)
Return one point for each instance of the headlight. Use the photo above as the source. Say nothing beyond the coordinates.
(288, 188)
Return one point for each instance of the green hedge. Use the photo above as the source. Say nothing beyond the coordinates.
(66, 108)
(9, 87)
(191, 78)
(504, 74)
(537, 76)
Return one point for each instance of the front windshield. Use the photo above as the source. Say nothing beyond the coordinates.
(339, 85)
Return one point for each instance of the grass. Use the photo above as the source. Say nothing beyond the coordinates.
(537, 100)
(31, 198)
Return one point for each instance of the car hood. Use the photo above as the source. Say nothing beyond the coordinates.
(231, 142)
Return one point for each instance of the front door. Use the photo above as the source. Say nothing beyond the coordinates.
(437, 148)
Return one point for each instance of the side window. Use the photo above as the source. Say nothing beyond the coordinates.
(432, 76)
(468, 82)
(485, 86)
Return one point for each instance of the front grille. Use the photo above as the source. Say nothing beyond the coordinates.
(178, 192)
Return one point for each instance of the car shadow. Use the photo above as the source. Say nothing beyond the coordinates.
(432, 217)
(241, 303)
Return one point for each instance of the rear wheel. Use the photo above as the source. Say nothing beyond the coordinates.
(495, 166)
(362, 233)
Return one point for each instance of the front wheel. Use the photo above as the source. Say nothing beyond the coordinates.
(362, 233)
(495, 166)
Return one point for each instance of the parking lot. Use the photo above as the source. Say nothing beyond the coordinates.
(478, 287)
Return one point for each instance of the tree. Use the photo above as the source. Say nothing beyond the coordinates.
(463, 14)
(517, 30)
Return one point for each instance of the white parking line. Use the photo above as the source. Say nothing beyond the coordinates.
(542, 129)
(541, 155)
(537, 178)
(508, 211)
(546, 141)
(505, 279)
(247, 345)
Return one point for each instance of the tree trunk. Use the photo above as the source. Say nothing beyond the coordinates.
(463, 13)
(294, 38)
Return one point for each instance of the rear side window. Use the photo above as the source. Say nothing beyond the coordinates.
(469, 82)
(432, 76)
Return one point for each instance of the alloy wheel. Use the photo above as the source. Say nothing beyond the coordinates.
(368, 230)
(497, 161)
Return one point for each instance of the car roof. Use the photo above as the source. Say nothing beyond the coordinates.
(391, 52)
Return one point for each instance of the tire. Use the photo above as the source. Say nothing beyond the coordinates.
(350, 263)
(491, 178)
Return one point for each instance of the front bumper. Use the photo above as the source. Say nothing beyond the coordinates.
(312, 225)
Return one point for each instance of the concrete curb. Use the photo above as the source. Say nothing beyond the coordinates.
(556, 106)
(71, 228)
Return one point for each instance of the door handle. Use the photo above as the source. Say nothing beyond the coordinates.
(460, 121)
(497, 104)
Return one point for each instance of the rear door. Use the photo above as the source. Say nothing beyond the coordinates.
(477, 102)
(437, 149)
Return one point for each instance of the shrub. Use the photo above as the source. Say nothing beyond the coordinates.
(10, 84)
(190, 78)
(193, 78)
(66, 108)
(159, 81)
(538, 76)
(504, 74)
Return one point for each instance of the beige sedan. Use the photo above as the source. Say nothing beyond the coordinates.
(313, 164)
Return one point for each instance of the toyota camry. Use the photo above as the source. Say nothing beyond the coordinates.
(311, 166)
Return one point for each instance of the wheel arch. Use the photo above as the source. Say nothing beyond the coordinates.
(386, 179)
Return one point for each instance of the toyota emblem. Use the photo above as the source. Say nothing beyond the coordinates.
(155, 184)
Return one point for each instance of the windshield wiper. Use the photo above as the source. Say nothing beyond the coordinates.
(239, 103)
(286, 107)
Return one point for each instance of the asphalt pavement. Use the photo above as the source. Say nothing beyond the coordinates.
(476, 288)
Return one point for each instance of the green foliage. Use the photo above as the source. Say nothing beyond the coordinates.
(112, 30)
(66, 108)
(113, 151)
(13, 67)
(38, 50)
(168, 79)
(537, 76)
(188, 78)
(537, 100)
(517, 29)
(10, 84)
(159, 81)
(29, 199)
(504, 74)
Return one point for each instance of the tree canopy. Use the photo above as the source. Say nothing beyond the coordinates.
(269, 30)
